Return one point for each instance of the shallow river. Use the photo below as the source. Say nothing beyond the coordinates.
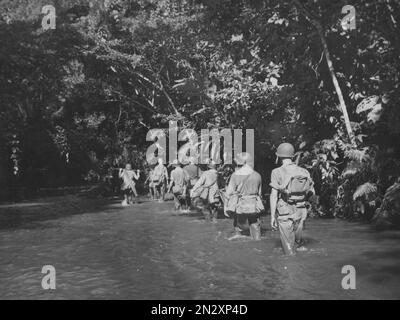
(149, 252)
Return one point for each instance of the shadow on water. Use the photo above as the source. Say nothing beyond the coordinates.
(29, 215)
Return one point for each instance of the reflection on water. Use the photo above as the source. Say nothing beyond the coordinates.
(148, 252)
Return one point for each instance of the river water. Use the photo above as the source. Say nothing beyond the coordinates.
(148, 252)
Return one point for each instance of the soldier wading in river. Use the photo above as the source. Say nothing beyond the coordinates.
(194, 172)
(291, 187)
(207, 190)
(244, 197)
(178, 186)
(128, 186)
(159, 180)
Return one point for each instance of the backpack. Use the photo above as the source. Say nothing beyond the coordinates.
(297, 186)
(241, 204)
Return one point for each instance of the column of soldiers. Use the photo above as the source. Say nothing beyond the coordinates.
(194, 188)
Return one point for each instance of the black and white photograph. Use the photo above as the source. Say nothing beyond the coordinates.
(199, 154)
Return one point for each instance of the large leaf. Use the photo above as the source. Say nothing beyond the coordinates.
(367, 104)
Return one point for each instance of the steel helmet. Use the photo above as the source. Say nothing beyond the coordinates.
(175, 163)
(285, 150)
(212, 164)
(244, 158)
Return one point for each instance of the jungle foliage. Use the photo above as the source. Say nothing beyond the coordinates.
(80, 99)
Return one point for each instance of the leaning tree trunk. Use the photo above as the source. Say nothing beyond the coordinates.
(338, 90)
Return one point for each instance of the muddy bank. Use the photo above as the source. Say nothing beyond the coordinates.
(147, 251)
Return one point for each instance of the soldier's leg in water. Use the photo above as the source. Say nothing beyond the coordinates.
(130, 197)
(126, 200)
(159, 192)
(151, 192)
(178, 203)
(155, 191)
(206, 210)
(134, 191)
(298, 227)
(236, 224)
(162, 188)
(286, 231)
(214, 212)
(255, 226)
(188, 199)
(184, 202)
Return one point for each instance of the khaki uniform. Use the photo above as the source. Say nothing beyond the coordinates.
(127, 179)
(159, 180)
(194, 173)
(289, 214)
(208, 185)
(252, 186)
(179, 180)
(160, 174)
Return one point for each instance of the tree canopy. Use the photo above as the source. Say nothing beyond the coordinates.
(81, 98)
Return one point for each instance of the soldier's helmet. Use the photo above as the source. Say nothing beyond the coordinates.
(211, 163)
(175, 163)
(285, 150)
(243, 158)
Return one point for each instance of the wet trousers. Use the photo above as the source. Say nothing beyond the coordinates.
(253, 220)
(291, 230)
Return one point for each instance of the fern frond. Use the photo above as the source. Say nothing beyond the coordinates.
(357, 155)
(351, 169)
(365, 190)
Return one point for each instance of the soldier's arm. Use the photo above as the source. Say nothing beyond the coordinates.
(171, 183)
(273, 200)
(231, 186)
(199, 183)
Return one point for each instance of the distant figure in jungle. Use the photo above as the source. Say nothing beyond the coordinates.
(193, 172)
(178, 186)
(291, 188)
(244, 197)
(159, 180)
(207, 192)
(149, 182)
(128, 186)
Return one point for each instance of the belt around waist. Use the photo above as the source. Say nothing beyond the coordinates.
(299, 205)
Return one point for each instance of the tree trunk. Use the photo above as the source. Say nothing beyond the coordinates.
(338, 90)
